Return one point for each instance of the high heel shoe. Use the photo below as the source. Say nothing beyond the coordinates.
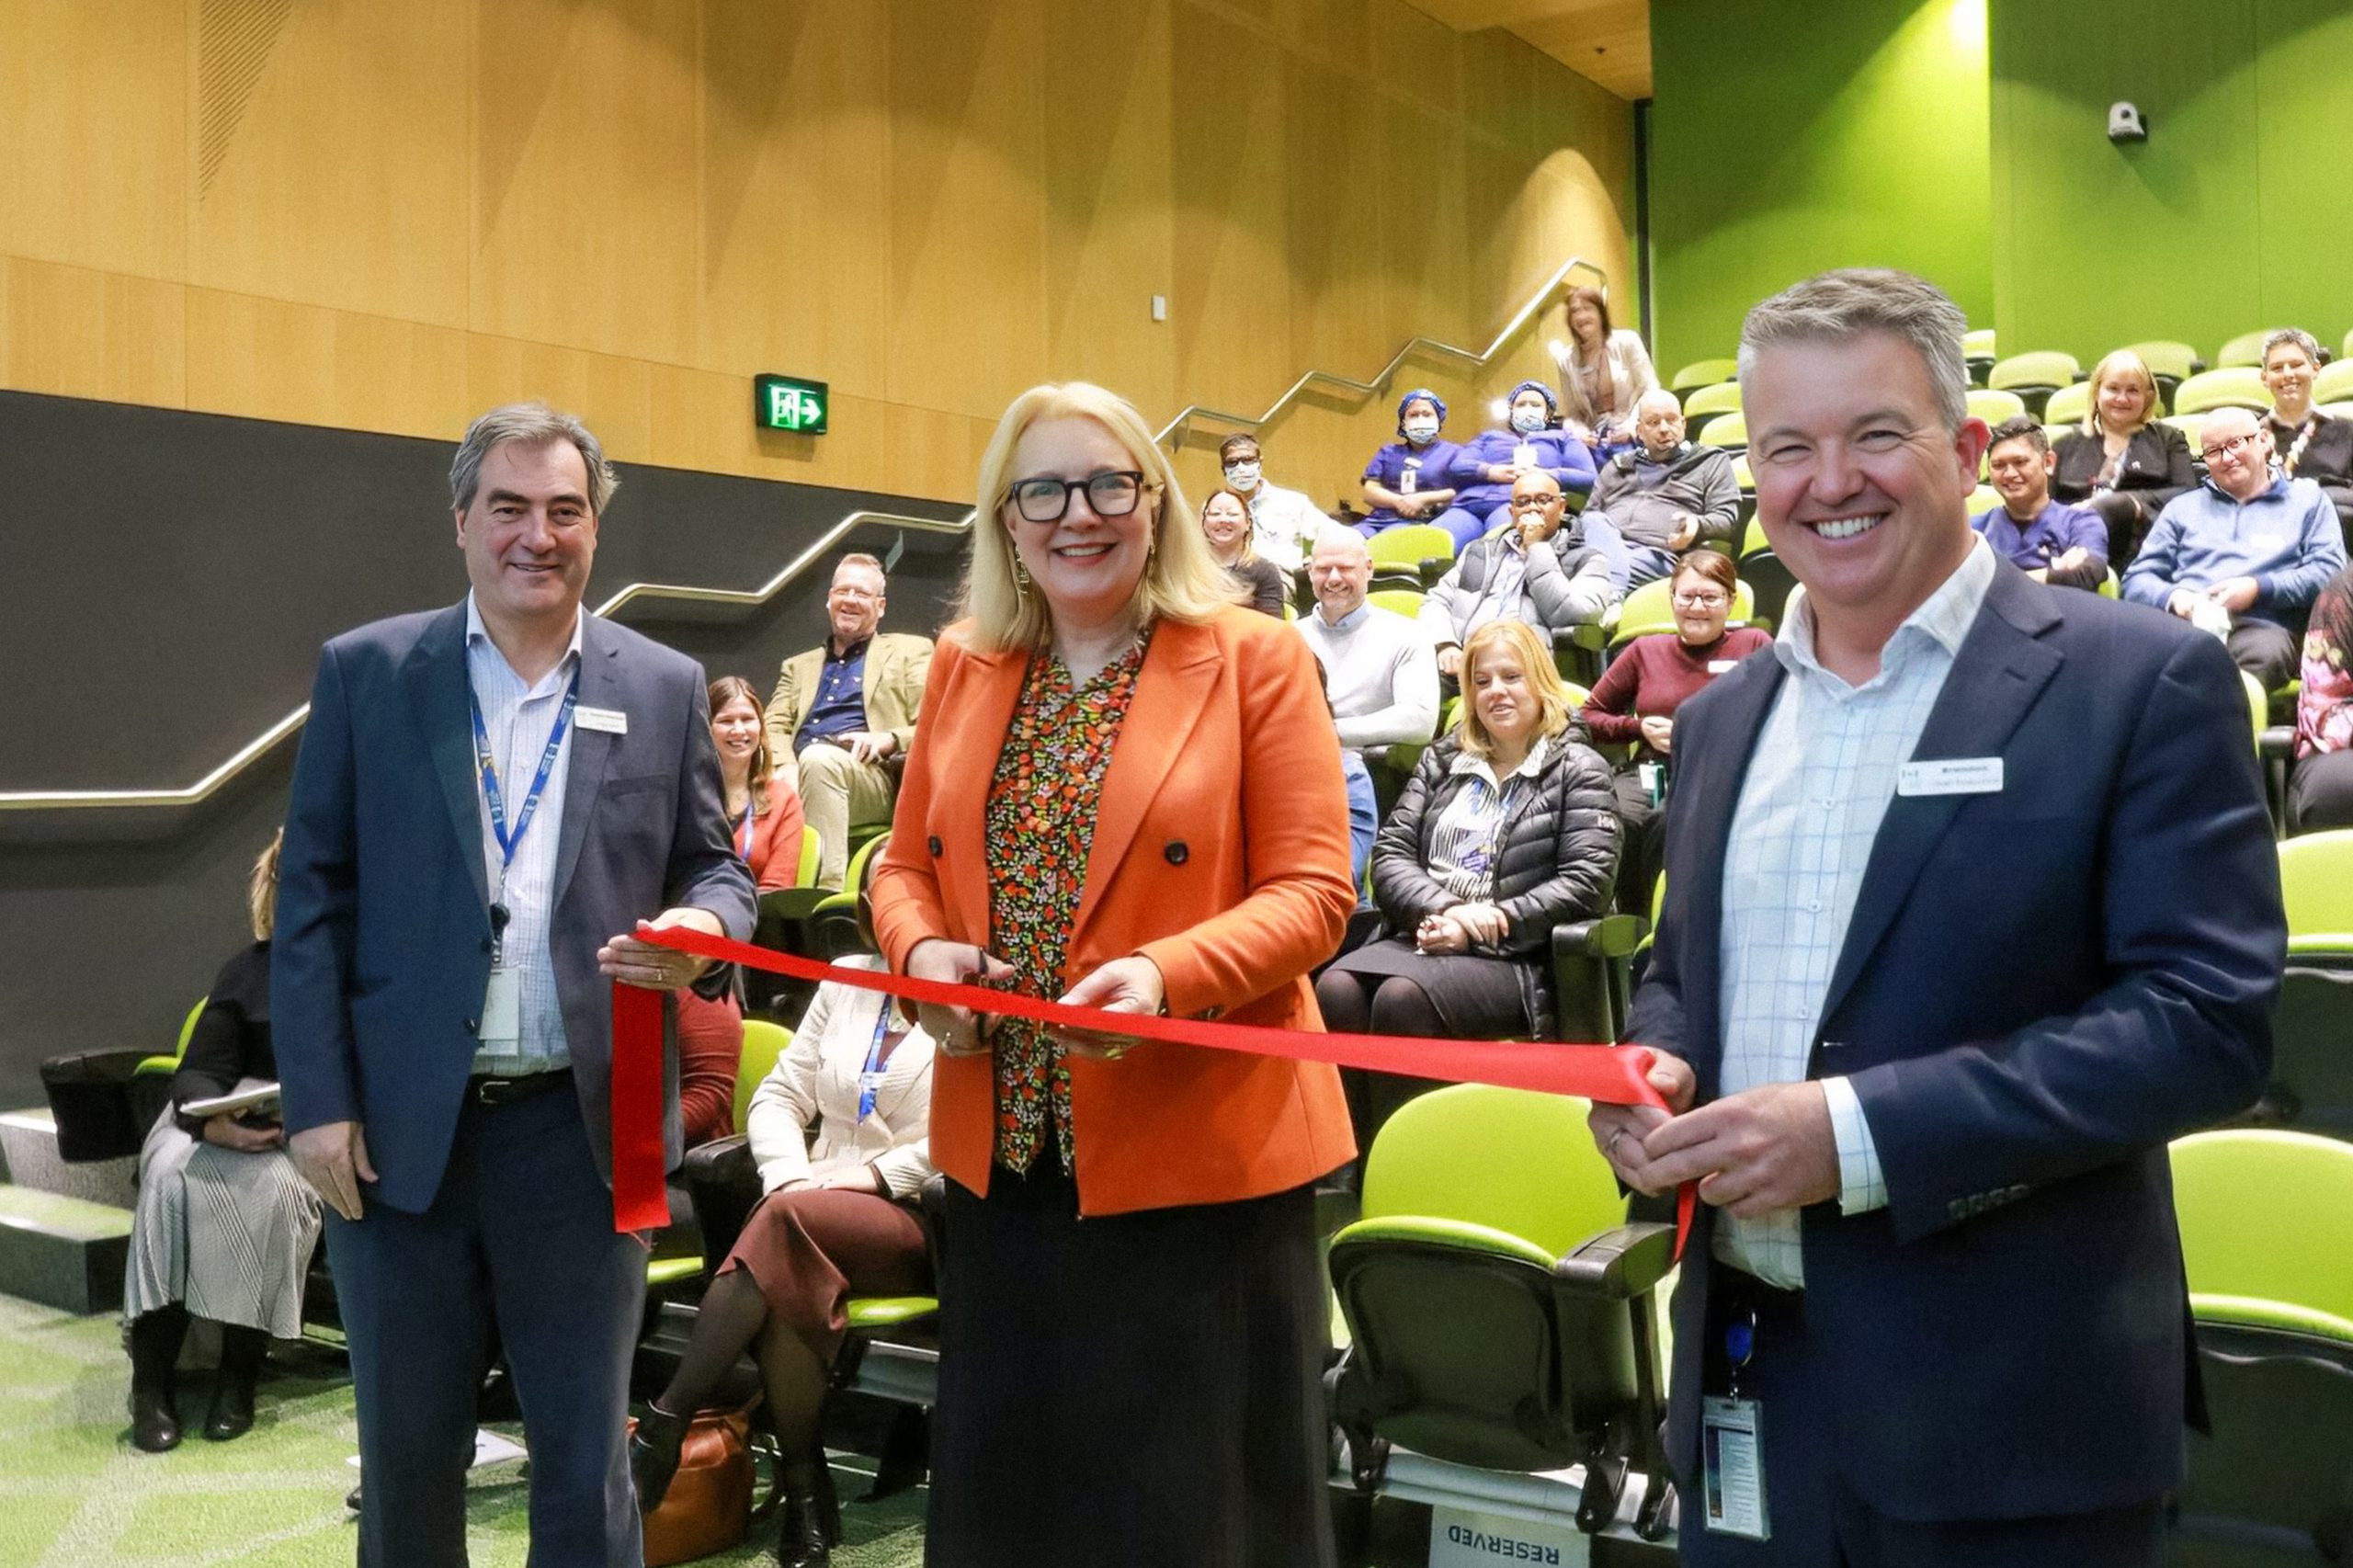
(654, 1450)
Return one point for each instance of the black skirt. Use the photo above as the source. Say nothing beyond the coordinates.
(1477, 997)
(1139, 1390)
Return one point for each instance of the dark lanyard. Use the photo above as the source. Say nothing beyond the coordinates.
(870, 1079)
(492, 794)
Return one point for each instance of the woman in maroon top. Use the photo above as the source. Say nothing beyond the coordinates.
(1634, 703)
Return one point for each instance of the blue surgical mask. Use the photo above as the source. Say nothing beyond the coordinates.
(1528, 421)
(1243, 476)
(1421, 432)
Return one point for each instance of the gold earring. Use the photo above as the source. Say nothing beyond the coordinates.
(1020, 579)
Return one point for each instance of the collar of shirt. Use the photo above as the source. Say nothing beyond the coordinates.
(847, 654)
(2271, 491)
(1530, 766)
(1349, 621)
(477, 633)
(1944, 617)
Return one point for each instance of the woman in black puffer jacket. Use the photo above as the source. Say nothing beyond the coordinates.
(1507, 829)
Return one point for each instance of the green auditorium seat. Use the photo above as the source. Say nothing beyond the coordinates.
(2338, 410)
(1993, 407)
(764, 1042)
(2190, 425)
(1501, 1312)
(2267, 1236)
(2245, 351)
(2233, 387)
(2034, 377)
(1766, 578)
(1978, 351)
(2068, 404)
(1983, 499)
(2170, 362)
(1411, 555)
(1703, 373)
(1709, 403)
(834, 927)
(2334, 382)
(2316, 882)
(1650, 609)
(2311, 1088)
(1406, 602)
(1729, 431)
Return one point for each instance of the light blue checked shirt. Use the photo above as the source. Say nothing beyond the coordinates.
(1817, 789)
(518, 718)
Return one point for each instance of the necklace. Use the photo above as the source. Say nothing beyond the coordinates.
(2305, 433)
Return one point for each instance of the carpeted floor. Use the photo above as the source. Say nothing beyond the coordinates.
(75, 1493)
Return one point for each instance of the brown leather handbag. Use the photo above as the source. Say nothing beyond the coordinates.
(709, 1505)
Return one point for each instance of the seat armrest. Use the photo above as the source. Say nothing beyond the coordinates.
(1606, 936)
(1626, 1261)
(2277, 743)
(723, 1182)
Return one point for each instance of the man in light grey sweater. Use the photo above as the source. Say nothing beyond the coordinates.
(1667, 494)
(1377, 666)
(1527, 570)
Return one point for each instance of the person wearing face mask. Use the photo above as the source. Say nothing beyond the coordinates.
(2311, 445)
(1283, 523)
(2124, 463)
(1486, 468)
(1409, 480)
(1534, 571)
(1225, 523)
(1666, 494)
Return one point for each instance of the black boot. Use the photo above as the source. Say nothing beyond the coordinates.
(654, 1450)
(801, 1543)
(906, 1455)
(243, 1351)
(154, 1349)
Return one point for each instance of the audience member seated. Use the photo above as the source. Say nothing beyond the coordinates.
(1634, 702)
(225, 1225)
(2246, 553)
(1528, 570)
(2123, 463)
(764, 808)
(1378, 672)
(2311, 444)
(1225, 523)
(1485, 469)
(1406, 482)
(2320, 790)
(840, 1131)
(1604, 372)
(1283, 523)
(1505, 831)
(2050, 541)
(841, 712)
(1666, 495)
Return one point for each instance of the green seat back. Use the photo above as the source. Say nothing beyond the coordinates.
(1722, 398)
(1407, 545)
(2243, 352)
(2109, 588)
(2168, 359)
(2191, 426)
(2068, 404)
(762, 1043)
(2334, 382)
(2338, 410)
(1979, 343)
(804, 874)
(1406, 602)
(1729, 431)
(1755, 540)
(164, 1066)
(861, 864)
(1744, 475)
(2316, 881)
(1983, 499)
(2231, 387)
(1506, 1160)
(2267, 1215)
(2044, 367)
(1993, 407)
(1703, 373)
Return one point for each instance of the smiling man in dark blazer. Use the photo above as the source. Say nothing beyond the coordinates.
(489, 800)
(1971, 905)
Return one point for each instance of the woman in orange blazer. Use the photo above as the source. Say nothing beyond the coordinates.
(1124, 792)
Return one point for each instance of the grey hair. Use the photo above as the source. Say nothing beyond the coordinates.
(859, 558)
(534, 425)
(2297, 335)
(1851, 301)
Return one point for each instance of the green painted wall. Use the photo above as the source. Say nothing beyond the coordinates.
(1795, 135)
(2231, 217)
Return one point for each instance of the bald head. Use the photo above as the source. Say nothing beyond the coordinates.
(1658, 422)
(2238, 450)
(1341, 571)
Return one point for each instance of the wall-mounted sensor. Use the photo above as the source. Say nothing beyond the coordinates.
(2125, 124)
(1160, 307)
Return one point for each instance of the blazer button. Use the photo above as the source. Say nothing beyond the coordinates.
(1176, 852)
(472, 1024)
(932, 844)
(486, 945)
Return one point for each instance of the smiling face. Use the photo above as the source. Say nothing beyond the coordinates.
(1085, 566)
(2287, 371)
(1498, 683)
(2124, 402)
(1701, 607)
(854, 604)
(1341, 571)
(736, 730)
(2021, 475)
(2238, 450)
(528, 535)
(1226, 523)
(1586, 322)
(1861, 488)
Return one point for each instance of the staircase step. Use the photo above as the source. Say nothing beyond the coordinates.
(66, 1253)
(29, 1157)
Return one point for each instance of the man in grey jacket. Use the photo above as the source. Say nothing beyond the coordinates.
(1528, 570)
(1667, 494)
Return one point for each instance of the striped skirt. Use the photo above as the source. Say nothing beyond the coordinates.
(229, 1235)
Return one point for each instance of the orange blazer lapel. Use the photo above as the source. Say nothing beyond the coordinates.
(1178, 671)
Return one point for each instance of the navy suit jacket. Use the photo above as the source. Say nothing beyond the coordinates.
(2038, 988)
(382, 953)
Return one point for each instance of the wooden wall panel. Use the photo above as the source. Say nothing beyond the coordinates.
(81, 332)
(307, 365)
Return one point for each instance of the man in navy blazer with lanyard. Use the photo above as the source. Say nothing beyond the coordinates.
(489, 800)
(1971, 905)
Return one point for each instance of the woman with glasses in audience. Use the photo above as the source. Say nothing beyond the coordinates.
(2311, 444)
(225, 1225)
(1225, 523)
(1411, 479)
(1486, 470)
(2124, 463)
(1605, 370)
(1124, 794)
(1505, 830)
(1633, 704)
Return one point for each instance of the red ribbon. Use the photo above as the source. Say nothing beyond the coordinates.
(1611, 1074)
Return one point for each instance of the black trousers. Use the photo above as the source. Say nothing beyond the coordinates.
(2320, 792)
(2266, 650)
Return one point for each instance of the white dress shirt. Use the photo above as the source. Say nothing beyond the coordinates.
(518, 718)
(1283, 525)
(1817, 789)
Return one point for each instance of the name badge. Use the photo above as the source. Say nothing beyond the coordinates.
(1733, 1465)
(1718, 666)
(502, 1010)
(611, 721)
(1524, 455)
(1952, 776)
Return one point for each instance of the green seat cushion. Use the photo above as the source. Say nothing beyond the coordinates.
(1432, 1231)
(2253, 1311)
(667, 1271)
(889, 1312)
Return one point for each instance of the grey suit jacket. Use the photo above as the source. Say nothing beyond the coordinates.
(382, 944)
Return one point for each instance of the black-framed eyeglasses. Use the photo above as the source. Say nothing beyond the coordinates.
(1112, 494)
(1535, 503)
(1701, 601)
(2229, 448)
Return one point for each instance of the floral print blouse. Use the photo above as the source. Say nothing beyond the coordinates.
(1039, 826)
(2325, 707)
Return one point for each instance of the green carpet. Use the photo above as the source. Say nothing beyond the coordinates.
(75, 1493)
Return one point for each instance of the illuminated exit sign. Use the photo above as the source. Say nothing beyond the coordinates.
(787, 402)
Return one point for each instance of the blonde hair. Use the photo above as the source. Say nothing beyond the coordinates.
(1181, 580)
(2122, 362)
(261, 889)
(1544, 680)
(1248, 554)
(735, 688)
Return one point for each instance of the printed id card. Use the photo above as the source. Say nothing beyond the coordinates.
(502, 1010)
(1733, 1464)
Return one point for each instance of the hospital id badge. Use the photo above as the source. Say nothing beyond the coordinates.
(502, 1009)
(1732, 1460)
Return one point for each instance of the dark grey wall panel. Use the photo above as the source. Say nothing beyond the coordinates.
(165, 581)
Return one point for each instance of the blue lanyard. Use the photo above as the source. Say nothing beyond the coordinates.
(870, 1079)
(490, 791)
(744, 837)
